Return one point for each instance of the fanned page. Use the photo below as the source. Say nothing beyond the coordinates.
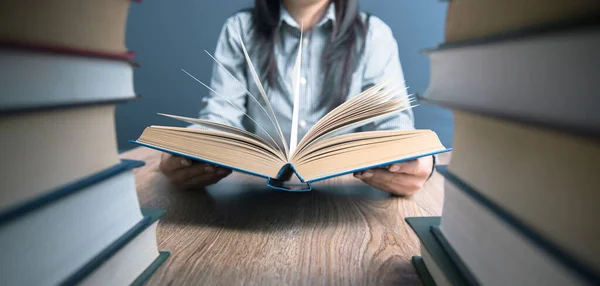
(320, 154)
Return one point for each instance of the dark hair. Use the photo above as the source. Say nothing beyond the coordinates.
(340, 56)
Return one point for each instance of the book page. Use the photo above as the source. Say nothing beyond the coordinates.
(223, 128)
(350, 154)
(236, 107)
(374, 102)
(296, 102)
(264, 96)
(221, 148)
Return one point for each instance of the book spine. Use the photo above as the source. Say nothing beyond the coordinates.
(41, 108)
(453, 269)
(54, 49)
(564, 258)
(162, 257)
(68, 190)
(460, 265)
(422, 271)
(150, 216)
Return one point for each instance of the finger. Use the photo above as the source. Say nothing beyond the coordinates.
(181, 175)
(362, 174)
(170, 162)
(396, 183)
(215, 178)
(221, 171)
(202, 180)
(407, 167)
(378, 178)
(201, 170)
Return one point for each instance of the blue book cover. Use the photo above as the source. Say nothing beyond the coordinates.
(554, 250)
(67, 190)
(422, 272)
(454, 270)
(280, 182)
(150, 217)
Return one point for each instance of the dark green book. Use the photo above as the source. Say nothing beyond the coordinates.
(441, 267)
(131, 259)
(422, 271)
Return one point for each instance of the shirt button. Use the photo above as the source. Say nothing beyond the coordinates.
(305, 41)
(302, 123)
(303, 80)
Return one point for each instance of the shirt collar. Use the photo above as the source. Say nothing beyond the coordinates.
(286, 17)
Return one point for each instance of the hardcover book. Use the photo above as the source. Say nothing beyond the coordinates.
(322, 153)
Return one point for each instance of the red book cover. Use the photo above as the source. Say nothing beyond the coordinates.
(48, 48)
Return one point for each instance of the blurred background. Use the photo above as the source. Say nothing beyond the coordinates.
(168, 36)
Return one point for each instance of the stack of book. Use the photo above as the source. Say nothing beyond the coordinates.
(69, 211)
(521, 198)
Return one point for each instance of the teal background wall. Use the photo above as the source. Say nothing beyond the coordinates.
(169, 35)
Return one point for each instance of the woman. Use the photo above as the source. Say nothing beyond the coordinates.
(344, 52)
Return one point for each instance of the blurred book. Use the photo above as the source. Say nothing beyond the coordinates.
(543, 79)
(475, 19)
(45, 149)
(435, 263)
(520, 204)
(130, 260)
(87, 25)
(69, 211)
(48, 238)
(38, 78)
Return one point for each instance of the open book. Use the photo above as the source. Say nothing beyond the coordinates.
(323, 152)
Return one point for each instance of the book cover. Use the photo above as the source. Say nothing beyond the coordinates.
(565, 259)
(325, 151)
(66, 50)
(280, 182)
(67, 190)
(162, 257)
(554, 61)
(456, 273)
(151, 216)
(422, 271)
(82, 79)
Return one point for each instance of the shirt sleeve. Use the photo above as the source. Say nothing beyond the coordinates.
(382, 62)
(229, 53)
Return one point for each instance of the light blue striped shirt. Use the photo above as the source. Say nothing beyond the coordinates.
(379, 61)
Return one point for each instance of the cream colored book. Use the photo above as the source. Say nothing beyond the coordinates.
(68, 24)
(322, 153)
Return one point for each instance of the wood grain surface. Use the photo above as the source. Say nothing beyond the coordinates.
(239, 232)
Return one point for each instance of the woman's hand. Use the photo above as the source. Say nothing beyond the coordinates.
(401, 178)
(185, 174)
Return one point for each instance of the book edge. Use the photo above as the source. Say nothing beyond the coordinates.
(66, 105)
(150, 217)
(548, 29)
(67, 190)
(454, 257)
(285, 167)
(197, 159)
(151, 269)
(562, 257)
(576, 129)
(379, 165)
(126, 56)
(422, 271)
(421, 226)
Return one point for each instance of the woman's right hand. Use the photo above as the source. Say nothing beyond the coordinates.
(185, 174)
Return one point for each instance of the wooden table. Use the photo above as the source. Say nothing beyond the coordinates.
(239, 232)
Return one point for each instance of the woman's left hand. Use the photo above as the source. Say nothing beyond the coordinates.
(401, 178)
